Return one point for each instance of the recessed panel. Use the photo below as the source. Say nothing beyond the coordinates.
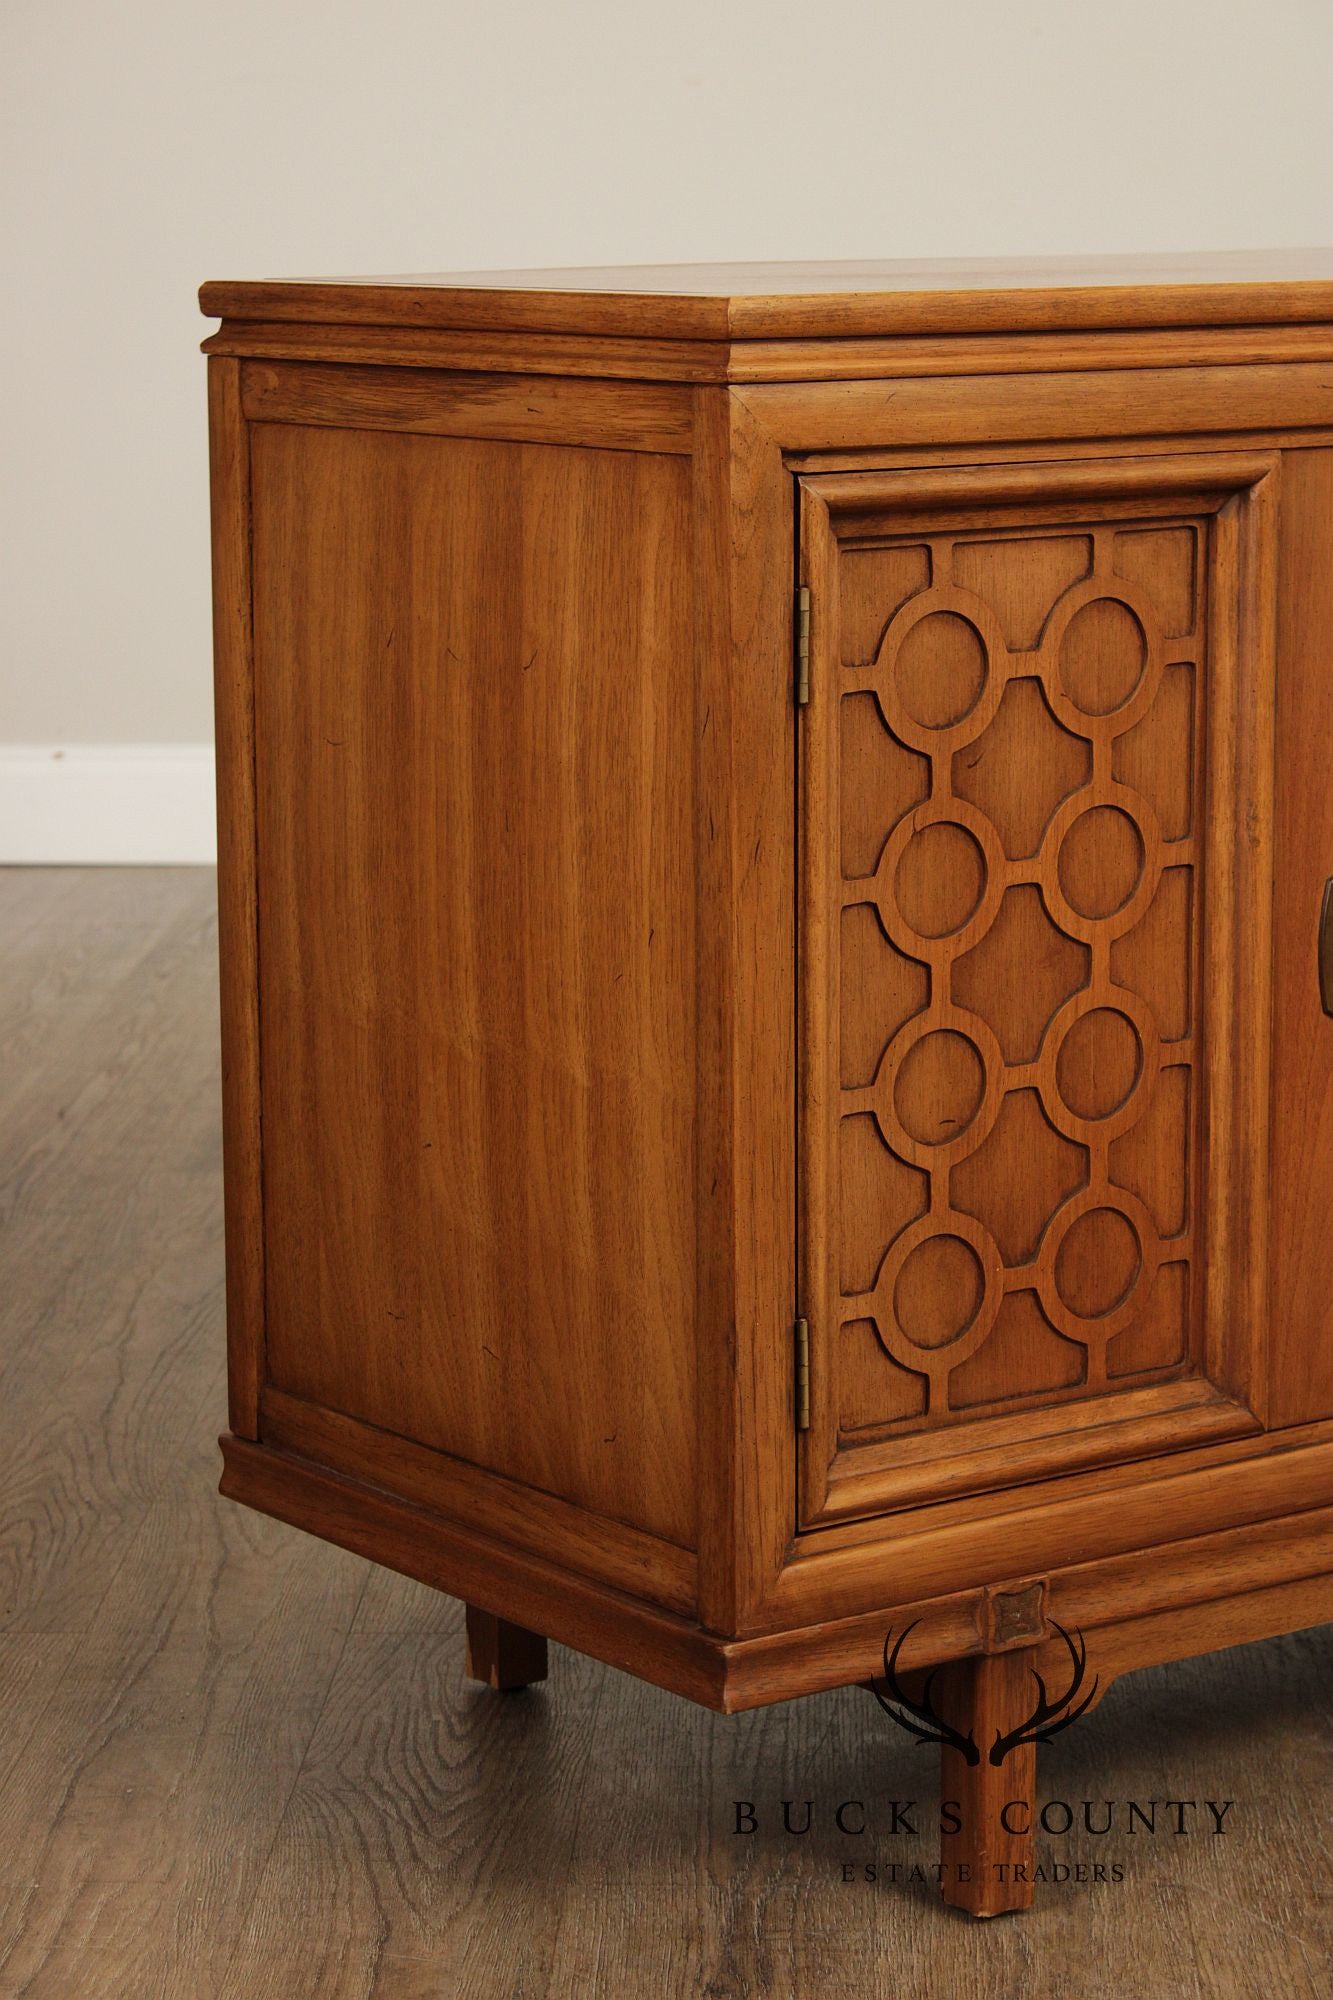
(1022, 722)
(477, 950)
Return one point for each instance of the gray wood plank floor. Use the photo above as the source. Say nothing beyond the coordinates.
(236, 1763)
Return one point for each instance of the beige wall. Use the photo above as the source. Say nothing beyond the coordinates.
(147, 146)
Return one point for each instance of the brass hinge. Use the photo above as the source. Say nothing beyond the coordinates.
(803, 645)
(802, 1374)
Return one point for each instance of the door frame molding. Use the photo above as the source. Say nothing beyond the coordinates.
(1238, 492)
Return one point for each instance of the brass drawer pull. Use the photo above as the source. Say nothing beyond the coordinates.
(1326, 948)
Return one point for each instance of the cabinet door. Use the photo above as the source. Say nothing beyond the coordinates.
(1035, 821)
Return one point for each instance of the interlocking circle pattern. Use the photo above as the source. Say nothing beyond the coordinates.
(1097, 868)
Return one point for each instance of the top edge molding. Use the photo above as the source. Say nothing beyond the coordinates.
(803, 301)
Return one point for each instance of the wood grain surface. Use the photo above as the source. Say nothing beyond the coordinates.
(1303, 1093)
(238, 891)
(477, 949)
(237, 1763)
(895, 296)
(640, 358)
(1010, 955)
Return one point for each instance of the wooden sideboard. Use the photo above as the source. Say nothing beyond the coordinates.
(778, 1085)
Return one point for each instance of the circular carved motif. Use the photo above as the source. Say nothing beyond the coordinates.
(943, 865)
(1101, 1254)
(939, 1288)
(940, 879)
(938, 1291)
(1100, 862)
(928, 1071)
(1099, 1063)
(939, 1087)
(1091, 1077)
(1103, 656)
(940, 669)
(1097, 1263)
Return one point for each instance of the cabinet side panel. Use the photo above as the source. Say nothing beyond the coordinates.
(1302, 1336)
(233, 704)
(477, 950)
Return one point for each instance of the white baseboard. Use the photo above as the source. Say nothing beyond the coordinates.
(107, 802)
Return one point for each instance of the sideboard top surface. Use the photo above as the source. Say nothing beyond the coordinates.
(817, 300)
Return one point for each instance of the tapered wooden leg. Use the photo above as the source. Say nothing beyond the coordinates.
(988, 1859)
(502, 1655)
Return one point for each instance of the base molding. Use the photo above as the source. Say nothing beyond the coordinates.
(481, 1569)
(1139, 1609)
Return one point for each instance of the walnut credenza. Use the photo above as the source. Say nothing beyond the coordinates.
(774, 826)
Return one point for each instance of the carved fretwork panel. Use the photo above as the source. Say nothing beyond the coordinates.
(1007, 821)
(1032, 705)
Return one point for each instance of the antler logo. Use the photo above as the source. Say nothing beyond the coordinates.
(919, 1718)
(921, 1721)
